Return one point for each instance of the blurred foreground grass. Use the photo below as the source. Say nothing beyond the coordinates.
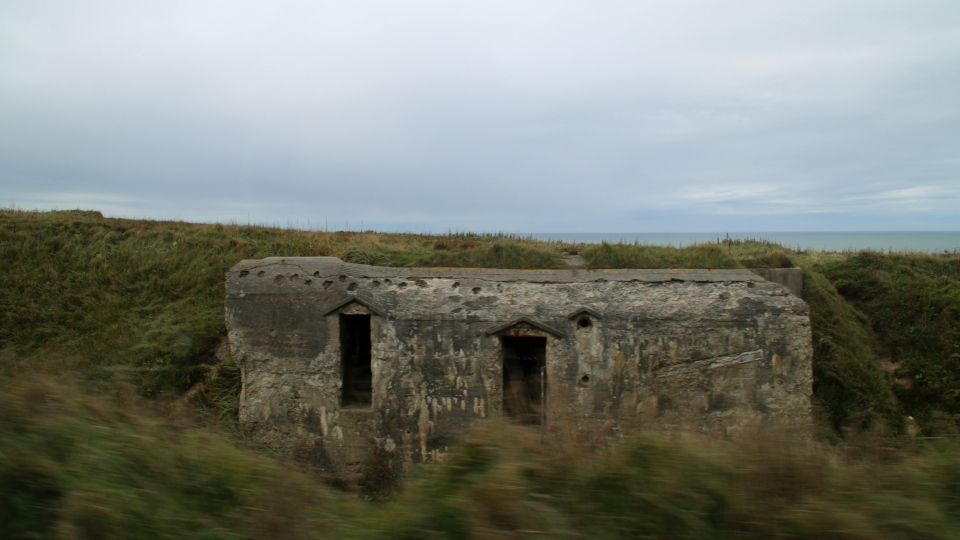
(117, 420)
(76, 465)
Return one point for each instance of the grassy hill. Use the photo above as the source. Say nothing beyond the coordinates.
(117, 419)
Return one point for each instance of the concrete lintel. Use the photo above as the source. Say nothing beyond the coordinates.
(593, 313)
(346, 299)
(538, 325)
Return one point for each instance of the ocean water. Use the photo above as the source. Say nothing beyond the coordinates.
(920, 241)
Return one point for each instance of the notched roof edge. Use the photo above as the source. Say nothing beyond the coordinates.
(332, 266)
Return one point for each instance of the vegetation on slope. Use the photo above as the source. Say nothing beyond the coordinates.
(851, 389)
(913, 303)
(145, 298)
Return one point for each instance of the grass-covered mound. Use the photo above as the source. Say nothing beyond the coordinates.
(104, 301)
(145, 299)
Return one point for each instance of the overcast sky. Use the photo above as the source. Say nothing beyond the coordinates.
(527, 116)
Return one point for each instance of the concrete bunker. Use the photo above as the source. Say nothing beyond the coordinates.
(343, 361)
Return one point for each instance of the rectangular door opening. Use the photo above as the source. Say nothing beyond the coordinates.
(355, 360)
(524, 378)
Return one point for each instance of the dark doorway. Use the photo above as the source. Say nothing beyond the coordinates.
(524, 378)
(355, 359)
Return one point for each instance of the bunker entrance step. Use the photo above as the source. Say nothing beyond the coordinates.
(524, 378)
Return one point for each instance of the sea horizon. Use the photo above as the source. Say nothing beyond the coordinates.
(917, 241)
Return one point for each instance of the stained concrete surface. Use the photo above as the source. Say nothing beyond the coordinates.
(709, 351)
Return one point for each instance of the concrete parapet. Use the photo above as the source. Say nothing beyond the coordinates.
(791, 278)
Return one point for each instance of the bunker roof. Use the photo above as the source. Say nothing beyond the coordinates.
(332, 267)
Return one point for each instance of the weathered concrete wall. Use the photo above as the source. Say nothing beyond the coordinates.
(710, 351)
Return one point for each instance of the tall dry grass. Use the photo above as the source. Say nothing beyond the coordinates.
(502, 482)
(79, 465)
